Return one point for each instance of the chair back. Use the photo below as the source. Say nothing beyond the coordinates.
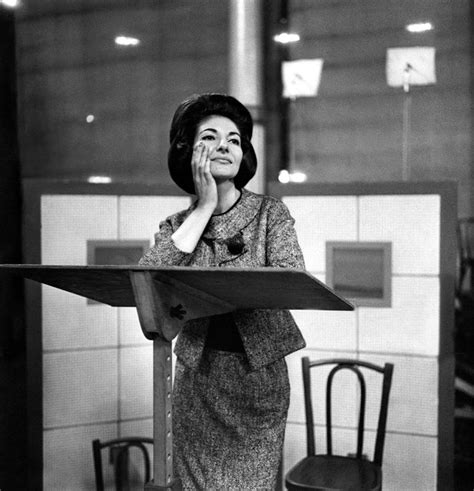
(119, 454)
(465, 239)
(354, 366)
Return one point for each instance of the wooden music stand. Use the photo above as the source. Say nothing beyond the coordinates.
(166, 298)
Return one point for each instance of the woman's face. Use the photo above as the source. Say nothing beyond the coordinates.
(222, 138)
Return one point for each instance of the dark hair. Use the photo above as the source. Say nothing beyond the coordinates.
(183, 129)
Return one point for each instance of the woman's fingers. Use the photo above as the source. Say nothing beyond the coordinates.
(196, 158)
(204, 183)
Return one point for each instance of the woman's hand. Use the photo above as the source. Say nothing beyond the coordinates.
(204, 183)
(187, 236)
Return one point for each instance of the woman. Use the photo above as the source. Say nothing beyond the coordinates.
(231, 388)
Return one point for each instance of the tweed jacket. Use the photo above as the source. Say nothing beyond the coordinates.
(264, 228)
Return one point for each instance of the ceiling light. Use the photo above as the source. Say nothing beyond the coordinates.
(285, 177)
(126, 41)
(286, 37)
(99, 179)
(419, 27)
(90, 118)
(10, 3)
(297, 177)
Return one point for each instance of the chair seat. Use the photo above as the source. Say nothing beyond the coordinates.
(334, 472)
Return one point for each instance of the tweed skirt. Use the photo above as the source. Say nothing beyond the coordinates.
(229, 423)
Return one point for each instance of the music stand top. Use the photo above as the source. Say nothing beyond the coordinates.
(244, 288)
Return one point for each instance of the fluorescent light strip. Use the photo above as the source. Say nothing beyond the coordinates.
(10, 3)
(126, 41)
(99, 179)
(419, 27)
(286, 37)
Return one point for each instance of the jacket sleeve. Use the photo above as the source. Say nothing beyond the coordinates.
(164, 252)
(282, 247)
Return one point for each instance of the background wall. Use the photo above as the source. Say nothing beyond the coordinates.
(352, 131)
(97, 366)
(69, 67)
(93, 366)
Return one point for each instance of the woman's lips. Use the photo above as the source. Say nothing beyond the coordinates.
(222, 160)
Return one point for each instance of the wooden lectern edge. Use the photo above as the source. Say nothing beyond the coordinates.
(167, 276)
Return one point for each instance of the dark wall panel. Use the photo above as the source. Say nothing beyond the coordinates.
(70, 67)
(353, 130)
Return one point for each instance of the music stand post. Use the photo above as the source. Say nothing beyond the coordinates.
(162, 310)
(166, 298)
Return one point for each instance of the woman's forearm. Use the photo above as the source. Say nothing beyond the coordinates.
(188, 234)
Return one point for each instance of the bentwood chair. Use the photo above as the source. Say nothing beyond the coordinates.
(336, 472)
(465, 239)
(120, 459)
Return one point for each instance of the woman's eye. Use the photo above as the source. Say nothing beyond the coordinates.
(235, 141)
(208, 137)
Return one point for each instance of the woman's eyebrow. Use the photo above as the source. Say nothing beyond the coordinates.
(213, 130)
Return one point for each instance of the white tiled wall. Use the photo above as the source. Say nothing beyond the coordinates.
(67, 456)
(320, 217)
(97, 365)
(411, 223)
(406, 334)
(66, 224)
(136, 388)
(411, 325)
(80, 387)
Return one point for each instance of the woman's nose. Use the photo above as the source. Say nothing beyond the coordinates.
(223, 145)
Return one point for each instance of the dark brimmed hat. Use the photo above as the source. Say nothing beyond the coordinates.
(183, 130)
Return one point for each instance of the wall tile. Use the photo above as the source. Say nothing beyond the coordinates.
(409, 463)
(67, 222)
(413, 404)
(70, 322)
(411, 325)
(411, 223)
(328, 330)
(136, 427)
(136, 382)
(140, 216)
(319, 219)
(67, 459)
(79, 387)
(130, 331)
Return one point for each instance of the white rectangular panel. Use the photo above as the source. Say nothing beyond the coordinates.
(140, 216)
(319, 219)
(79, 387)
(136, 382)
(67, 458)
(411, 325)
(410, 463)
(414, 399)
(411, 223)
(68, 221)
